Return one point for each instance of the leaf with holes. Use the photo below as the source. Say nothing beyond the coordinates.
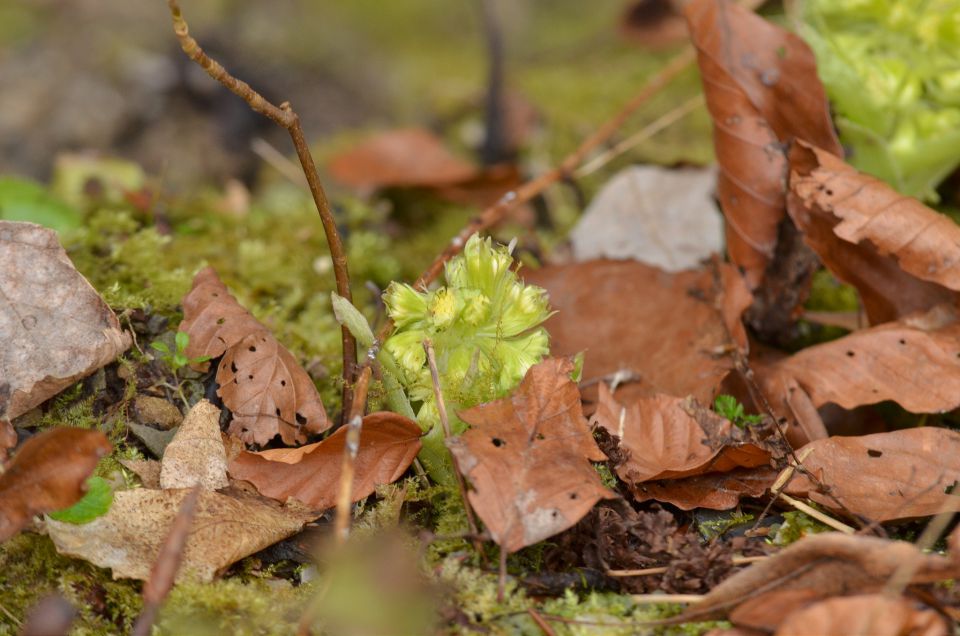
(885, 476)
(261, 382)
(901, 256)
(528, 458)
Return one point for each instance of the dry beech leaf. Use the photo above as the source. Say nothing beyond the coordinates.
(47, 473)
(866, 614)
(661, 216)
(128, 538)
(901, 256)
(196, 456)
(667, 438)
(761, 87)
(54, 327)
(311, 474)
(261, 382)
(8, 439)
(528, 458)
(662, 328)
(716, 491)
(829, 564)
(907, 362)
(147, 470)
(402, 158)
(885, 476)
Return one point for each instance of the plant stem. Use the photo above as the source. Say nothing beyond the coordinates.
(284, 115)
(341, 525)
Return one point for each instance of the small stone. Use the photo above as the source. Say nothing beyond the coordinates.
(150, 410)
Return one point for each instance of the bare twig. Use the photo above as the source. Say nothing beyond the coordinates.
(542, 624)
(656, 599)
(445, 422)
(341, 527)
(662, 570)
(816, 514)
(165, 568)
(530, 189)
(284, 115)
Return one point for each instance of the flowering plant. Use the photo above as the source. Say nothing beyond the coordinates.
(484, 325)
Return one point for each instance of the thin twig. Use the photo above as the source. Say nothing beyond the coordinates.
(816, 514)
(167, 565)
(542, 624)
(341, 526)
(904, 573)
(279, 161)
(656, 599)
(660, 123)
(445, 422)
(662, 570)
(492, 215)
(284, 115)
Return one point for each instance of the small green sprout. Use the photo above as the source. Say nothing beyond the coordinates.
(728, 407)
(485, 328)
(177, 360)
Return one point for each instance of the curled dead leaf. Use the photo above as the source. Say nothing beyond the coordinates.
(762, 90)
(528, 458)
(873, 614)
(261, 382)
(885, 476)
(716, 491)
(47, 473)
(311, 474)
(54, 326)
(900, 255)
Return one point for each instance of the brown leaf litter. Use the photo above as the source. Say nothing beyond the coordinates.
(262, 384)
(311, 474)
(195, 455)
(54, 326)
(661, 330)
(527, 457)
(47, 473)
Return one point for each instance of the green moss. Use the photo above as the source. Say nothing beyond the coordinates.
(32, 569)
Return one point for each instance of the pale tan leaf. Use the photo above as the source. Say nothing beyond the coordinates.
(864, 615)
(128, 538)
(196, 456)
(54, 327)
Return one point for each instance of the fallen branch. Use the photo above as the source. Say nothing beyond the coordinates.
(284, 116)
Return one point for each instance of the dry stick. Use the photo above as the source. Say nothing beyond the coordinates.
(655, 599)
(445, 422)
(662, 570)
(532, 188)
(284, 116)
(167, 564)
(664, 121)
(542, 624)
(341, 525)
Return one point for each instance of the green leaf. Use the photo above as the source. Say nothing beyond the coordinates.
(351, 318)
(25, 200)
(95, 503)
(160, 346)
(180, 360)
(183, 340)
(727, 406)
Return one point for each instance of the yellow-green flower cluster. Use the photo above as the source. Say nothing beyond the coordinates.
(484, 325)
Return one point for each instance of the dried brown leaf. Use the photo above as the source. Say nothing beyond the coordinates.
(866, 614)
(663, 328)
(54, 327)
(47, 473)
(668, 438)
(261, 382)
(900, 255)
(128, 538)
(716, 491)
(196, 456)
(907, 362)
(311, 474)
(829, 564)
(147, 470)
(528, 458)
(402, 158)
(884, 476)
(762, 90)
